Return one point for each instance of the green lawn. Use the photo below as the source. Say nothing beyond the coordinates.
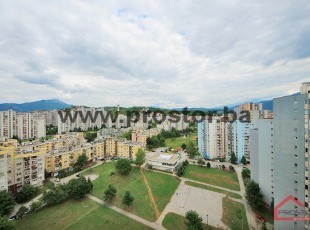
(134, 183)
(234, 214)
(163, 187)
(84, 214)
(174, 221)
(231, 194)
(178, 141)
(213, 176)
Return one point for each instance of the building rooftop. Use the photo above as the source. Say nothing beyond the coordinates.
(165, 158)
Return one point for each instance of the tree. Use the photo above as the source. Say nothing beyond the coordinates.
(6, 203)
(231, 168)
(54, 196)
(110, 193)
(191, 149)
(5, 224)
(127, 135)
(193, 220)
(243, 160)
(183, 146)
(21, 211)
(140, 157)
(208, 165)
(200, 161)
(26, 193)
(128, 199)
(78, 188)
(123, 166)
(82, 160)
(223, 167)
(233, 158)
(253, 195)
(90, 136)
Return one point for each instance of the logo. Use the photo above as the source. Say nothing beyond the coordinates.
(290, 214)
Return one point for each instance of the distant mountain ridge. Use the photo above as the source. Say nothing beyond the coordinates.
(35, 105)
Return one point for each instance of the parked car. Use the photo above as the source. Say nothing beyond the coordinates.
(13, 218)
(77, 175)
(260, 218)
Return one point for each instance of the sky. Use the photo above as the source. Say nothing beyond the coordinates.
(198, 53)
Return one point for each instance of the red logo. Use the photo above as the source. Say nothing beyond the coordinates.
(292, 215)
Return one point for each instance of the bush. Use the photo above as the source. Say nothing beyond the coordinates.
(112, 173)
(208, 165)
(231, 168)
(21, 211)
(35, 205)
(193, 220)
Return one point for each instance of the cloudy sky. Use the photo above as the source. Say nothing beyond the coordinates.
(164, 53)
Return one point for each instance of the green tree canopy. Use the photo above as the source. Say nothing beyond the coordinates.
(140, 157)
(191, 149)
(243, 160)
(6, 203)
(128, 199)
(183, 146)
(54, 196)
(193, 220)
(233, 158)
(5, 224)
(26, 193)
(110, 193)
(82, 160)
(123, 166)
(78, 188)
(254, 195)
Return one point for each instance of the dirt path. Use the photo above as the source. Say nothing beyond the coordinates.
(150, 194)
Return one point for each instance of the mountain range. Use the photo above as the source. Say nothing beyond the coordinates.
(35, 105)
(57, 104)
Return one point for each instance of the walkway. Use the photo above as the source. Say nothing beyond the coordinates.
(128, 214)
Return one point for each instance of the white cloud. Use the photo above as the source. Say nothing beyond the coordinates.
(194, 53)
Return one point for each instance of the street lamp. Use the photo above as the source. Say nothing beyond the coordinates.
(207, 219)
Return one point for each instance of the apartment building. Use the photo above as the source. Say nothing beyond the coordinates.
(141, 135)
(22, 125)
(214, 137)
(262, 157)
(20, 167)
(7, 123)
(291, 153)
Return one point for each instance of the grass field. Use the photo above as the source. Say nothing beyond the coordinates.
(213, 176)
(174, 221)
(84, 214)
(234, 214)
(231, 194)
(162, 187)
(178, 141)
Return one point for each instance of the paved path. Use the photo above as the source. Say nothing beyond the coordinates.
(128, 214)
(248, 210)
(207, 203)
